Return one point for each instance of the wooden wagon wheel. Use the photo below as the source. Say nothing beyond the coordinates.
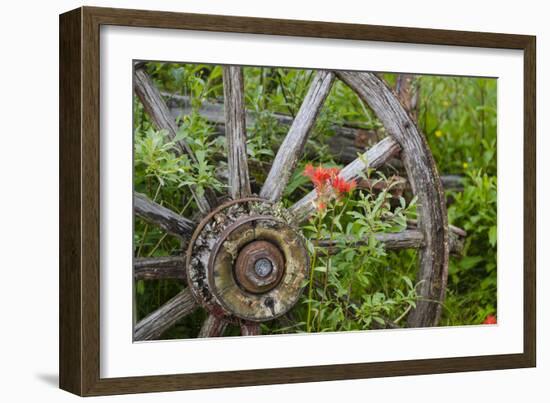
(246, 260)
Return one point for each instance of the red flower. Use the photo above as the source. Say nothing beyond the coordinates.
(490, 320)
(320, 176)
(342, 186)
(328, 183)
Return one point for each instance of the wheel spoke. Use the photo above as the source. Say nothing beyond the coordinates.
(407, 239)
(425, 183)
(157, 322)
(250, 329)
(291, 149)
(375, 157)
(163, 217)
(157, 109)
(159, 113)
(391, 240)
(235, 131)
(212, 327)
(155, 268)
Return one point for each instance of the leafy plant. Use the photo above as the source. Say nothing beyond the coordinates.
(473, 277)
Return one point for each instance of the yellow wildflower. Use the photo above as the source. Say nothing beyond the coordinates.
(438, 133)
(465, 165)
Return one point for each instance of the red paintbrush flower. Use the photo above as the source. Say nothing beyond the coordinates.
(309, 170)
(342, 186)
(328, 183)
(320, 176)
(490, 320)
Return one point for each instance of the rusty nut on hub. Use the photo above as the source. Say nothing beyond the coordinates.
(259, 267)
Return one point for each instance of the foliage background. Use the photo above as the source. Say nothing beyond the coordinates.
(458, 116)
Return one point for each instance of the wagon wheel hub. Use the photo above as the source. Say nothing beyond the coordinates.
(259, 267)
(246, 261)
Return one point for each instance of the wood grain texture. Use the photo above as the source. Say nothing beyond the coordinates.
(156, 323)
(424, 179)
(391, 241)
(235, 132)
(293, 145)
(315, 29)
(162, 217)
(90, 203)
(212, 327)
(345, 144)
(375, 157)
(79, 193)
(159, 113)
(530, 202)
(156, 108)
(70, 234)
(410, 238)
(157, 268)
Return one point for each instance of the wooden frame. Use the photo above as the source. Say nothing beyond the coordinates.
(79, 200)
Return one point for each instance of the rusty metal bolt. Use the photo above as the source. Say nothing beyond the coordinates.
(259, 267)
(263, 267)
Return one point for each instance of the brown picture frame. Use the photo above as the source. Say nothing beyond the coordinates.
(79, 200)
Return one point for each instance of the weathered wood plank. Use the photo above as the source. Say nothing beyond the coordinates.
(391, 240)
(160, 115)
(155, 268)
(346, 143)
(157, 322)
(375, 157)
(213, 327)
(162, 217)
(409, 238)
(292, 146)
(235, 132)
(423, 176)
(250, 329)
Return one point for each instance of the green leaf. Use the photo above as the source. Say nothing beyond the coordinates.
(469, 262)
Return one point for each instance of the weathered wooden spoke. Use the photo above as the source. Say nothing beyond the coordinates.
(391, 241)
(291, 149)
(157, 322)
(157, 109)
(163, 217)
(160, 115)
(250, 329)
(156, 268)
(422, 173)
(235, 131)
(407, 239)
(213, 326)
(375, 157)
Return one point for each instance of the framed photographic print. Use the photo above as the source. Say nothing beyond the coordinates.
(250, 201)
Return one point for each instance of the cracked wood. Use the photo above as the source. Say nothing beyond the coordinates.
(235, 132)
(165, 218)
(157, 322)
